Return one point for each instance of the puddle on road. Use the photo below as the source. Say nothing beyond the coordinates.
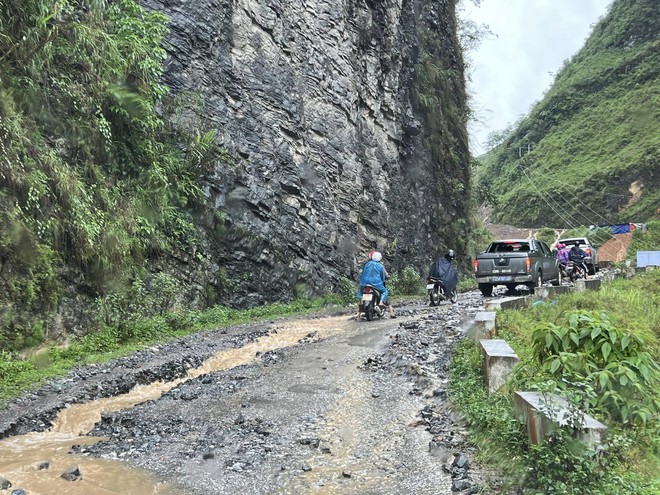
(20, 455)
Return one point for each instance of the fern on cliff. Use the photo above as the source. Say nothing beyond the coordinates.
(90, 184)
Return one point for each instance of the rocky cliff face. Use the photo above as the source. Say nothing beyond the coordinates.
(345, 121)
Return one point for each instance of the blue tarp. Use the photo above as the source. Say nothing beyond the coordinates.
(620, 228)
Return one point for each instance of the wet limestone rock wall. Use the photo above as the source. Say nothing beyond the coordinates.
(345, 121)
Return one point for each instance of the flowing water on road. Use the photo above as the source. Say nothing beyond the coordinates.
(20, 456)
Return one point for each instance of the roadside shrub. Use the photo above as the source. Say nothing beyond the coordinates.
(392, 284)
(645, 240)
(141, 299)
(146, 330)
(564, 465)
(408, 282)
(466, 283)
(347, 290)
(605, 368)
(547, 235)
(9, 367)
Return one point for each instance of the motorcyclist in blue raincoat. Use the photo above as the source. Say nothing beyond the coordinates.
(374, 274)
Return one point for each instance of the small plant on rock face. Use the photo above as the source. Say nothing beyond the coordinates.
(408, 282)
(606, 366)
(347, 290)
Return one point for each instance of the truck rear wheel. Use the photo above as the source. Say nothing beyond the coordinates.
(538, 282)
(486, 289)
(559, 279)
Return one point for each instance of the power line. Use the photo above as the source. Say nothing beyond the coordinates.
(521, 150)
(589, 220)
(528, 148)
(546, 201)
(538, 170)
(578, 199)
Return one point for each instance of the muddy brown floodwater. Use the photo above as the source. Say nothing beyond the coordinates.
(20, 456)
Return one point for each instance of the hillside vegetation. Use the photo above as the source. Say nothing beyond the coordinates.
(589, 151)
(597, 349)
(93, 184)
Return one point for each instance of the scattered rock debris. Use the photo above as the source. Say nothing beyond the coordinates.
(295, 417)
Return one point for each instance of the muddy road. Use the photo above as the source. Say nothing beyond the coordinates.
(323, 404)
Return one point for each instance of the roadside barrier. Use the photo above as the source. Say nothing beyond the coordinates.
(484, 325)
(542, 413)
(498, 361)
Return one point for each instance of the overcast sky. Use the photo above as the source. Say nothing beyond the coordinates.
(512, 68)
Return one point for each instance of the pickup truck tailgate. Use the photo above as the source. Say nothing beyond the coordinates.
(501, 263)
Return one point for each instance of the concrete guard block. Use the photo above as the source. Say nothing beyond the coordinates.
(484, 324)
(544, 413)
(507, 303)
(584, 285)
(550, 291)
(498, 361)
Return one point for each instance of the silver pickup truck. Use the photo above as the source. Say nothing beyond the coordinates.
(515, 262)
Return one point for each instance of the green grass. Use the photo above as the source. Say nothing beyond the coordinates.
(632, 461)
(648, 240)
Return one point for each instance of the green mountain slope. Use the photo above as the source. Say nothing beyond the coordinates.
(589, 152)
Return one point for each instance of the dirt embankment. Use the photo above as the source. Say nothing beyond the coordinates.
(616, 249)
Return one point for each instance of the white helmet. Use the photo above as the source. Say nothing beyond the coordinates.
(377, 256)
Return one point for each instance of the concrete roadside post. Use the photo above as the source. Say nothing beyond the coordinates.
(484, 324)
(543, 412)
(498, 361)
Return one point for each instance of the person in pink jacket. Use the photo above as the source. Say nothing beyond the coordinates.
(562, 254)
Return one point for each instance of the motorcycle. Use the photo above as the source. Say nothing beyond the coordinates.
(437, 292)
(370, 303)
(575, 271)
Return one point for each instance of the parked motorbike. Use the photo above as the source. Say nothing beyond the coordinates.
(370, 303)
(437, 292)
